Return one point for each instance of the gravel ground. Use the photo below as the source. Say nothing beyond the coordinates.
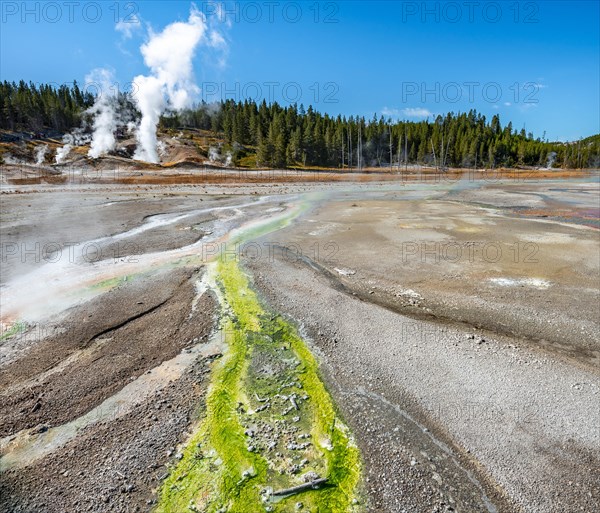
(525, 425)
(116, 465)
(457, 400)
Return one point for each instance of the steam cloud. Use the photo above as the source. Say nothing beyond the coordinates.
(75, 138)
(169, 86)
(105, 118)
(62, 153)
(40, 154)
(169, 56)
(551, 159)
(214, 155)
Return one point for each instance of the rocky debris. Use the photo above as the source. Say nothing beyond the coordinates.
(124, 461)
(397, 477)
(122, 341)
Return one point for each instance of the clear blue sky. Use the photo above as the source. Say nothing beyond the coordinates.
(536, 64)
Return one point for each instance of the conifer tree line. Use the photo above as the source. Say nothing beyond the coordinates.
(25, 106)
(289, 136)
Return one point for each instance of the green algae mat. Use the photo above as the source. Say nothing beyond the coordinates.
(270, 431)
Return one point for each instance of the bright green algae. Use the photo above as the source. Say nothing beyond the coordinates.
(269, 423)
(17, 327)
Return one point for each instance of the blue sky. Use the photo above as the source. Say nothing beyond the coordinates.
(536, 64)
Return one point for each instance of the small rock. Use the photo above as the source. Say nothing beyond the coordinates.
(310, 477)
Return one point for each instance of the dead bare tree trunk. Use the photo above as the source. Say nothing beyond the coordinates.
(350, 146)
(406, 152)
(342, 148)
(313, 485)
(391, 155)
(359, 156)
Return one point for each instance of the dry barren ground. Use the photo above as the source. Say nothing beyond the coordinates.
(456, 324)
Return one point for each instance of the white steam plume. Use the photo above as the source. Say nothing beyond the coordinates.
(62, 153)
(169, 56)
(75, 138)
(105, 118)
(213, 154)
(40, 154)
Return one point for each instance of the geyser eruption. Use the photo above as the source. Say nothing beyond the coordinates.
(169, 56)
(169, 86)
(105, 118)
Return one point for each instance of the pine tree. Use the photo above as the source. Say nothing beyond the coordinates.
(265, 151)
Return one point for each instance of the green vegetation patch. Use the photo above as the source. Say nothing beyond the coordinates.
(17, 327)
(109, 283)
(270, 424)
